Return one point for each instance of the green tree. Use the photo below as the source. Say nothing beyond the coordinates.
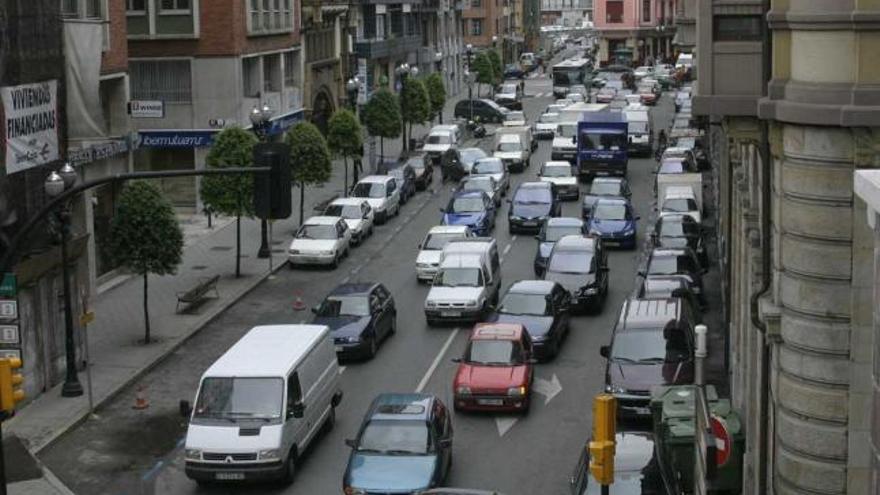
(437, 94)
(231, 195)
(382, 117)
(344, 139)
(497, 67)
(145, 236)
(415, 105)
(483, 68)
(309, 158)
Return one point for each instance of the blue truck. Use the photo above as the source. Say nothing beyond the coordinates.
(602, 144)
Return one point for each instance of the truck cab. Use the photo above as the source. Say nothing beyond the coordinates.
(602, 144)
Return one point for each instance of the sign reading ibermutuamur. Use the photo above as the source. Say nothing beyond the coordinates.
(177, 138)
(30, 124)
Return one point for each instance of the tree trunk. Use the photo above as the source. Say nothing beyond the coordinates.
(440, 115)
(345, 182)
(237, 246)
(381, 150)
(302, 200)
(146, 312)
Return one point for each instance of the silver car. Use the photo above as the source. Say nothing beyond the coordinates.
(494, 168)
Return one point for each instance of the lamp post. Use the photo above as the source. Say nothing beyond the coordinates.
(661, 29)
(469, 52)
(55, 184)
(260, 124)
(351, 87)
(403, 72)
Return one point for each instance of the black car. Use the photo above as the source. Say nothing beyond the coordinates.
(542, 307)
(580, 265)
(360, 316)
(483, 110)
(681, 262)
(553, 230)
(532, 203)
(604, 187)
(423, 170)
(678, 231)
(406, 177)
(469, 156)
(667, 286)
(513, 71)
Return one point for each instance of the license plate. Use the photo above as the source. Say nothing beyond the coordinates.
(229, 476)
(339, 348)
(611, 243)
(530, 224)
(450, 314)
(642, 411)
(490, 402)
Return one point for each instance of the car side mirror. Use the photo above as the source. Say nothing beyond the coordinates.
(185, 408)
(637, 217)
(538, 237)
(296, 410)
(350, 442)
(641, 273)
(456, 360)
(605, 351)
(442, 210)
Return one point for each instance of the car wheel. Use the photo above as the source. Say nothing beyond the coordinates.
(290, 469)
(374, 347)
(291, 265)
(393, 325)
(335, 263)
(330, 422)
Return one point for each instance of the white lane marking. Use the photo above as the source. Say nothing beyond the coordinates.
(341, 370)
(548, 388)
(433, 368)
(505, 423)
(506, 249)
(346, 279)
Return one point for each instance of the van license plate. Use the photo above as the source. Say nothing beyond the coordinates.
(450, 314)
(490, 402)
(229, 476)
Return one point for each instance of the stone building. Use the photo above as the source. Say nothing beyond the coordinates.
(633, 31)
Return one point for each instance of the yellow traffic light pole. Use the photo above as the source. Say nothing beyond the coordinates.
(602, 443)
(10, 394)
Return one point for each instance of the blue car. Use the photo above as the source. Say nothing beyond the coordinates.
(612, 220)
(404, 445)
(474, 209)
(553, 230)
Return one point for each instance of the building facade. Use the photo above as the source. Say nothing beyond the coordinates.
(568, 13)
(794, 114)
(685, 20)
(487, 22)
(634, 31)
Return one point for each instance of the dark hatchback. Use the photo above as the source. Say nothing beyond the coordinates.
(680, 231)
(483, 110)
(403, 445)
(532, 203)
(423, 169)
(604, 187)
(613, 221)
(360, 316)
(406, 179)
(580, 265)
(636, 469)
(553, 230)
(542, 307)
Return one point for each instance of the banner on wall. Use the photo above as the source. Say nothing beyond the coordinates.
(30, 124)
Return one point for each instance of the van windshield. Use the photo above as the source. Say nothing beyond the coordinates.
(459, 277)
(236, 398)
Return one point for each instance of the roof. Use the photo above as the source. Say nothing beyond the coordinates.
(271, 350)
(415, 407)
(381, 179)
(353, 288)
(557, 164)
(604, 117)
(461, 260)
(564, 222)
(609, 180)
(445, 127)
(664, 252)
(449, 229)
(532, 287)
(497, 331)
(611, 200)
(571, 63)
(649, 313)
(575, 242)
(322, 220)
(535, 185)
(348, 201)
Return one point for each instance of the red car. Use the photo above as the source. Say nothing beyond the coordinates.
(495, 373)
(648, 97)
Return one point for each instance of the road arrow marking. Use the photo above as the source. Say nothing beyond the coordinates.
(549, 389)
(505, 423)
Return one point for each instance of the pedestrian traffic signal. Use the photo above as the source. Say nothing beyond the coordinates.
(602, 462)
(604, 417)
(10, 393)
(272, 199)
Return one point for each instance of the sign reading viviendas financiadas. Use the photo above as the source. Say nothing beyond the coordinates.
(30, 124)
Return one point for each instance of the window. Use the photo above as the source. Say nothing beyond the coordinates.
(476, 27)
(614, 11)
(290, 69)
(271, 73)
(174, 6)
(136, 6)
(166, 80)
(83, 9)
(476, 4)
(251, 72)
(738, 27)
(646, 10)
(267, 16)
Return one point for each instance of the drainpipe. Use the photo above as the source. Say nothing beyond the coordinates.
(766, 176)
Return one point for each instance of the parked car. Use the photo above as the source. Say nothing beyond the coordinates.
(483, 111)
(431, 248)
(680, 98)
(579, 89)
(678, 231)
(546, 125)
(580, 265)
(636, 469)
(493, 167)
(532, 203)
(681, 262)
(553, 230)
(604, 187)
(496, 371)
(423, 169)
(403, 445)
(483, 183)
(509, 96)
(406, 178)
(437, 142)
(684, 155)
(357, 214)
(554, 108)
(468, 156)
(383, 194)
(647, 95)
(513, 71)
(559, 174)
(542, 307)
(665, 287)
(613, 221)
(320, 241)
(643, 71)
(575, 97)
(474, 209)
(360, 315)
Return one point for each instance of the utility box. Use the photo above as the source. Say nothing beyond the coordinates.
(674, 423)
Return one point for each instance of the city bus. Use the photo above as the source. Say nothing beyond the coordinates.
(569, 73)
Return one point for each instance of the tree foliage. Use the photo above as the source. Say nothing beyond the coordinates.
(497, 67)
(436, 93)
(309, 158)
(415, 104)
(230, 194)
(382, 114)
(482, 66)
(344, 138)
(145, 236)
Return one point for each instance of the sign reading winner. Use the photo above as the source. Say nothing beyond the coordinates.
(30, 124)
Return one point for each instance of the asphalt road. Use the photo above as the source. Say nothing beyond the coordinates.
(124, 451)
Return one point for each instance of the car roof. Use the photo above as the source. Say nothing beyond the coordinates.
(380, 179)
(648, 313)
(575, 242)
(557, 163)
(402, 406)
(535, 185)
(669, 252)
(605, 200)
(267, 351)
(662, 283)
(353, 288)
(349, 201)
(464, 193)
(497, 331)
(322, 220)
(677, 218)
(564, 222)
(448, 229)
(532, 287)
(609, 180)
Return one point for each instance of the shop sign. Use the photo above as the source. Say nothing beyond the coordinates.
(30, 124)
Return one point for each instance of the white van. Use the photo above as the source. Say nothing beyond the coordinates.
(261, 404)
(475, 261)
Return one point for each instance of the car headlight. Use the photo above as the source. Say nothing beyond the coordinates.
(589, 291)
(269, 454)
(515, 217)
(614, 389)
(595, 231)
(423, 265)
(471, 303)
(430, 304)
(463, 391)
(354, 339)
(328, 252)
(380, 208)
(517, 391)
(194, 454)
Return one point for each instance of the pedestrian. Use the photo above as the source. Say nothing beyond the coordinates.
(661, 143)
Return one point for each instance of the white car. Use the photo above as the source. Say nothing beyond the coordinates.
(545, 127)
(514, 119)
(431, 248)
(575, 97)
(320, 241)
(493, 167)
(564, 142)
(643, 71)
(357, 213)
(565, 102)
(554, 108)
(382, 193)
(560, 175)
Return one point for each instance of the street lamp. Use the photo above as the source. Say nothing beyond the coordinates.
(260, 124)
(469, 79)
(352, 87)
(56, 183)
(403, 72)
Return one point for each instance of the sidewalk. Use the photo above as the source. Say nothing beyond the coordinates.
(117, 357)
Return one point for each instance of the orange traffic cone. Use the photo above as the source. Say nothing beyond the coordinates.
(298, 304)
(140, 400)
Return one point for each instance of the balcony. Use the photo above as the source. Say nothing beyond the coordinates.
(389, 47)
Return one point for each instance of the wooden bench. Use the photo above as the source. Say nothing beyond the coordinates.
(199, 292)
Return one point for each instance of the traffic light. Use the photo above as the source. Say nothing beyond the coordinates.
(602, 462)
(272, 198)
(602, 444)
(10, 393)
